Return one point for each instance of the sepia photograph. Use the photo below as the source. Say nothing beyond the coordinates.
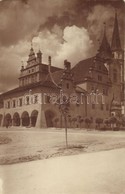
(62, 97)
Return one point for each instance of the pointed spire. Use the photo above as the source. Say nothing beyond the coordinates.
(104, 51)
(116, 44)
(31, 49)
(32, 53)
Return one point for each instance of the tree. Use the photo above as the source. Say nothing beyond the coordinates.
(98, 122)
(56, 120)
(123, 121)
(69, 120)
(80, 120)
(88, 121)
(64, 105)
(107, 122)
(119, 122)
(113, 121)
(74, 121)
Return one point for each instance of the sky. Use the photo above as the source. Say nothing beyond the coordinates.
(64, 29)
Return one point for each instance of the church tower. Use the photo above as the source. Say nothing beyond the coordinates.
(104, 51)
(116, 43)
(117, 68)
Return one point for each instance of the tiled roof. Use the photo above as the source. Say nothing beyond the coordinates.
(56, 76)
(81, 70)
(104, 51)
(30, 86)
(80, 90)
(116, 43)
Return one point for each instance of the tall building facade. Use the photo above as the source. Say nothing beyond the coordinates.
(95, 87)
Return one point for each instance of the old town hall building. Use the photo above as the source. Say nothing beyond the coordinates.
(98, 83)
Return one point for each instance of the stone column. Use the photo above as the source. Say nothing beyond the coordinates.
(21, 122)
(30, 118)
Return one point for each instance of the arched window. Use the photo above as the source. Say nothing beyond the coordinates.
(115, 75)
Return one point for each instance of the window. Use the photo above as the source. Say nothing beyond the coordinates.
(22, 82)
(47, 99)
(105, 91)
(115, 75)
(107, 107)
(26, 80)
(67, 85)
(33, 79)
(1, 103)
(99, 78)
(27, 100)
(8, 104)
(20, 102)
(35, 99)
(93, 106)
(102, 107)
(92, 89)
(32, 70)
(99, 67)
(14, 103)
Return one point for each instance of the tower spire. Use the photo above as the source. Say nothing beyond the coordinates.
(104, 51)
(116, 43)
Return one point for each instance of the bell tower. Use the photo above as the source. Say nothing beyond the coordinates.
(116, 42)
(117, 66)
(104, 51)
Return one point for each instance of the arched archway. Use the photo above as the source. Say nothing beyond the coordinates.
(8, 120)
(16, 119)
(25, 119)
(49, 115)
(1, 117)
(34, 116)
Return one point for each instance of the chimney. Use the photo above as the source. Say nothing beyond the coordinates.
(67, 65)
(39, 57)
(49, 60)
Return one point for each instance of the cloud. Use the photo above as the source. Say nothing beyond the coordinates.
(10, 64)
(64, 29)
(77, 45)
(98, 16)
(74, 46)
(22, 19)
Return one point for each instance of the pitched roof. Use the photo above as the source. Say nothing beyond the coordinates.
(81, 70)
(57, 75)
(116, 44)
(104, 51)
(46, 83)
